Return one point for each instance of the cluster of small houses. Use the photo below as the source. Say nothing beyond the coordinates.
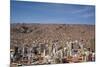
(53, 53)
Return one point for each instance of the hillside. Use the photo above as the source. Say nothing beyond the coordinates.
(27, 33)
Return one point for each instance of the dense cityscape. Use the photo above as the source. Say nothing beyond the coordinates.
(47, 51)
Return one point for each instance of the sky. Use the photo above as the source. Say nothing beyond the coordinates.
(53, 13)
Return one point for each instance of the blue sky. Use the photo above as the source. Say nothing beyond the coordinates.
(37, 12)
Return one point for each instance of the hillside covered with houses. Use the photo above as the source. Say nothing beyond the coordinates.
(34, 44)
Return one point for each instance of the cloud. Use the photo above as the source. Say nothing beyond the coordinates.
(92, 14)
(81, 10)
(85, 12)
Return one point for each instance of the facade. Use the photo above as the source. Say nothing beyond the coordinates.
(73, 51)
